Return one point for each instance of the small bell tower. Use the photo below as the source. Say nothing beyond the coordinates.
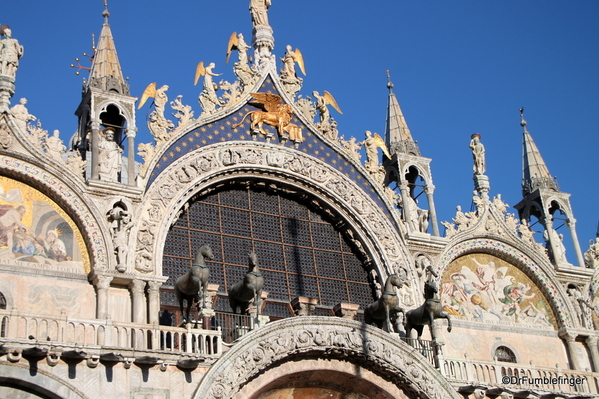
(106, 133)
(542, 199)
(408, 171)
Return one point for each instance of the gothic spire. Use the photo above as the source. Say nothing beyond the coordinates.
(535, 172)
(106, 73)
(397, 134)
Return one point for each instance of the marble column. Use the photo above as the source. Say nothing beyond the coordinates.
(131, 133)
(102, 284)
(95, 150)
(154, 301)
(429, 190)
(137, 288)
(571, 223)
(592, 344)
(570, 339)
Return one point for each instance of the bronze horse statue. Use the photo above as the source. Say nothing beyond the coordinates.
(426, 314)
(379, 312)
(242, 293)
(187, 286)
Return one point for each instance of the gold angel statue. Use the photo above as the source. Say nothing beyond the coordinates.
(275, 114)
(289, 60)
(371, 143)
(208, 98)
(236, 42)
(321, 105)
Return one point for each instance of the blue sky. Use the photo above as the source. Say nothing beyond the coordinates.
(459, 67)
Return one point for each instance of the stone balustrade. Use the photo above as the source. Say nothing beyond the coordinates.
(518, 377)
(63, 331)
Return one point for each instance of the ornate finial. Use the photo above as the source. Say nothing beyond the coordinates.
(105, 13)
(522, 121)
(389, 83)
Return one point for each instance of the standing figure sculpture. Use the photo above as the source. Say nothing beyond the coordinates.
(10, 53)
(187, 286)
(21, 114)
(478, 153)
(109, 157)
(248, 289)
(379, 312)
(259, 11)
(208, 99)
(428, 312)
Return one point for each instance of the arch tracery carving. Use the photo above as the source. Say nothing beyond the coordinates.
(199, 170)
(315, 337)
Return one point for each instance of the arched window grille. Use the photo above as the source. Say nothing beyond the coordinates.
(505, 354)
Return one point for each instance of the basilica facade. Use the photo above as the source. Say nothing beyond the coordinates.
(253, 252)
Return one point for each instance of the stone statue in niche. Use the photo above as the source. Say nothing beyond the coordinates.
(5, 136)
(22, 115)
(478, 153)
(10, 53)
(109, 157)
(557, 239)
(249, 289)
(120, 224)
(581, 305)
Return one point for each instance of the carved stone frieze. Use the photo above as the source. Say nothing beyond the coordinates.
(315, 337)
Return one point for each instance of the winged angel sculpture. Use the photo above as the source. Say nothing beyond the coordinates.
(208, 98)
(242, 69)
(158, 124)
(321, 105)
(275, 114)
(289, 77)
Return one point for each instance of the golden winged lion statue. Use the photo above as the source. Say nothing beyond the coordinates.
(275, 114)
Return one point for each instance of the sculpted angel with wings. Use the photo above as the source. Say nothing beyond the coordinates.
(275, 114)
(208, 98)
(158, 124)
(242, 68)
(371, 144)
(321, 105)
(289, 60)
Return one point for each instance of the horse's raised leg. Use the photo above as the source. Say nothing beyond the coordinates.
(445, 315)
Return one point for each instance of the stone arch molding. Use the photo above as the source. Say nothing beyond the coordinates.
(79, 210)
(199, 169)
(537, 270)
(42, 382)
(323, 337)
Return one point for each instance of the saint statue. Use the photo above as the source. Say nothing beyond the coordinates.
(478, 153)
(110, 157)
(10, 53)
(259, 11)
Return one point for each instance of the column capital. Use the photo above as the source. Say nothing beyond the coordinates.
(102, 282)
(131, 132)
(137, 286)
(154, 286)
(592, 340)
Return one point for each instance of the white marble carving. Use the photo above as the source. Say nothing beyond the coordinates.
(10, 53)
(22, 115)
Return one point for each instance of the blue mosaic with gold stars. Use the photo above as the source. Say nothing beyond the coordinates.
(222, 130)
